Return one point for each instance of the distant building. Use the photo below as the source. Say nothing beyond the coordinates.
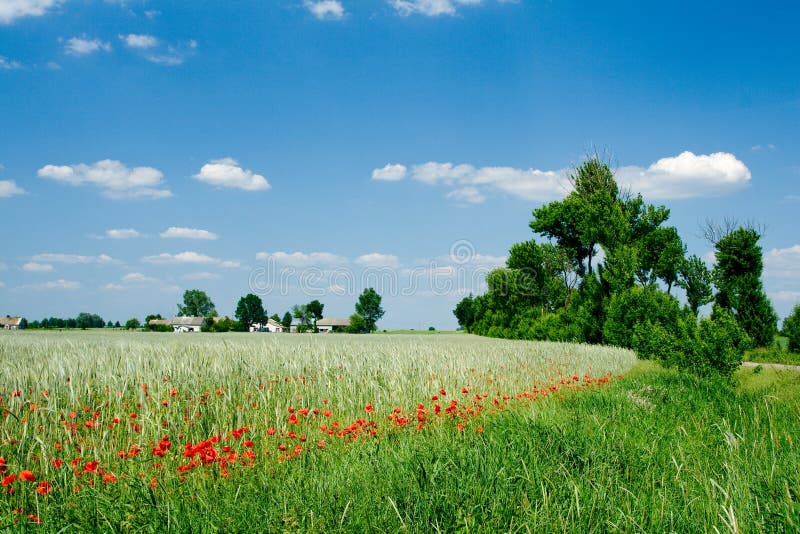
(326, 325)
(270, 326)
(11, 323)
(182, 324)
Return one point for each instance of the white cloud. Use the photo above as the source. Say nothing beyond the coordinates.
(302, 259)
(201, 276)
(141, 41)
(137, 280)
(230, 264)
(34, 267)
(376, 259)
(61, 284)
(175, 232)
(122, 233)
(390, 173)
(787, 296)
(9, 188)
(783, 263)
(325, 9)
(687, 176)
(468, 195)
(182, 257)
(769, 147)
(226, 172)
(115, 179)
(152, 13)
(433, 8)
(74, 259)
(10, 10)
(173, 55)
(81, 46)
(7, 64)
(684, 176)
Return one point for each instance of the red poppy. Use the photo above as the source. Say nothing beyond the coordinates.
(26, 476)
(44, 488)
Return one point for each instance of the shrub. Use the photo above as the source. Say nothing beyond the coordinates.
(791, 329)
(720, 345)
(636, 306)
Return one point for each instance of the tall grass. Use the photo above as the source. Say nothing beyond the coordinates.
(566, 451)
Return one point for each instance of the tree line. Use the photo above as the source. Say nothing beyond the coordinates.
(602, 268)
(250, 310)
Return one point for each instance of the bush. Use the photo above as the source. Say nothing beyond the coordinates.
(720, 345)
(634, 307)
(791, 329)
(557, 326)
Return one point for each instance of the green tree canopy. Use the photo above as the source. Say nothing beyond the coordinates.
(250, 310)
(196, 304)
(369, 307)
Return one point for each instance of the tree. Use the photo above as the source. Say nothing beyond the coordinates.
(695, 278)
(358, 325)
(738, 278)
(287, 320)
(369, 307)
(250, 310)
(132, 324)
(196, 304)
(465, 313)
(791, 329)
(275, 317)
(23, 323)
(315, 309)
(303, 315)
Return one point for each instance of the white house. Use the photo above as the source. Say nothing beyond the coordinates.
(181, 324)
(270, 326)
(327, 325)
(10, 323)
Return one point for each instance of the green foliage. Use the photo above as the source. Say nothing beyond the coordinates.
(465, 313)
(196, 304)
(738, 278)
(358, 325)
(696, 279)
(315, 308)
(636, 306)
(214, 324)
(287, 320)
(250, 310)
(369, 307)
(132, 324)
(791, 329)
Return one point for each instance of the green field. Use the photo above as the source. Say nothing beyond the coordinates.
(157, 432)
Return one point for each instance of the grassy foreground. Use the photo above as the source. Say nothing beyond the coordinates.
(558, 442)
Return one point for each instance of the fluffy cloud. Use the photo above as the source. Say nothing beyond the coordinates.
(182, 257)
(139, 281)
(115, 179)
(34, 267)
(687, 176)
(140, 41)
(684, 176)
(325, 9)
(376, 259)
(10, 10)
(122, 233)
(59, 285)
(783, 263)
(390, 173)
(174, 232)
(226, 172)
(302, 259)
(7, 64)
(9, 188)
(82, 46)
(432, 8)
(172, 55)
(74, 259)
(467, 195)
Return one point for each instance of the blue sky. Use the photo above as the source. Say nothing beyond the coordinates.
(304, 149)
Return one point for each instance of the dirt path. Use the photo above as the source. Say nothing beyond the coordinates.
(773, 365)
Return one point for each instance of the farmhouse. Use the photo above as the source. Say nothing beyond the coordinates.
(270, 325)
(181, 324)
(326, 325)
(10, 323)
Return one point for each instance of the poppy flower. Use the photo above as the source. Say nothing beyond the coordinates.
(27, 476)
(44, 488)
